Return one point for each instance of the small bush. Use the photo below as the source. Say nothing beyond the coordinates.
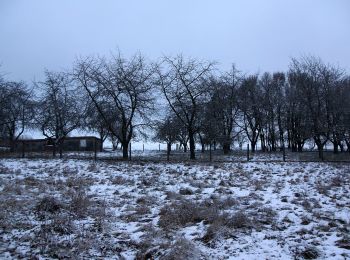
(343, 243)
(186, 191)
(182, 249)
(79, 203)
(47, 207)
(308, 252)
(119, 180)
(239, 220)
(218, 229)
(266, 216)
(183, 212)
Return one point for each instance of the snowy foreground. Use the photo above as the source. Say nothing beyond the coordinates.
(78, 209)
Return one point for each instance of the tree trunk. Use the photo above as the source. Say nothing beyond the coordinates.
(335, 147)
(192, 145)
(202, 143)
(125, 150)
(348, 145)
(320, 149)
(253, 144)
(226, 148)
(300, 146)
(262, 140)
(54, 149)
(12, 146)
(12, 141)
(61, 150)
(185, 147)
(168, 151)
(101, 146)
(289, 141)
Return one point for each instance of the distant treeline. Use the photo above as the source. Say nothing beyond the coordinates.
(185, 101)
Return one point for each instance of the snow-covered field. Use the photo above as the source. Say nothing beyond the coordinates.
(126, 210)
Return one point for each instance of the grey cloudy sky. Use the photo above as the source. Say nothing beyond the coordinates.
(257, 35)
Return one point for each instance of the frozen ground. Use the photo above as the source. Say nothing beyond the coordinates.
(79, 209)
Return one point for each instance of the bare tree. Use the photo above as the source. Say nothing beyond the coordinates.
(250, 97)
(59, 111)
(122, 92)
(182, 82)
(279, 90)
(340, 115)
(16, 110)
(93, 121)
(168, 131)
(314, 82)
(226, 99)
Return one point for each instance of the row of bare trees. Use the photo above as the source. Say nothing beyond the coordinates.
(186, 101)
(310, 102)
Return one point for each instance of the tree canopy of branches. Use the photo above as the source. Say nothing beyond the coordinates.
(59, 111)
(316, 83)
(168, 131)
(250, 97)
(222, 112)
(183, 83)
(117, 98)
(93, 121)
(16, 110)
(121, 91)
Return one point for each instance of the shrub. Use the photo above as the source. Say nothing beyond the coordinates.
(186, 191)
(265, 216)
(239, 220)
(47, 207)
(183, 212)
(182, 249)
(309, 252)
(79, 203)
(343, 243)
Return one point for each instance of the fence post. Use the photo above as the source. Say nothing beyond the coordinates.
(248, 152)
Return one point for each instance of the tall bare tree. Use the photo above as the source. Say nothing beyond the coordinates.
(60, 110)
(314, 81)
(168, 130)
(226, 99)
(16, 110)
(93, 121)
(183, 83)
(121, 91)
(250, 96)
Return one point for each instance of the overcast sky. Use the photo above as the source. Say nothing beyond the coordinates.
(256, 35)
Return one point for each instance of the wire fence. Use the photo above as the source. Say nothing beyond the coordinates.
(180, 156)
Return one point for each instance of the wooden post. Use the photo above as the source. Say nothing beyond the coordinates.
(248, 152)
(130, 151)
